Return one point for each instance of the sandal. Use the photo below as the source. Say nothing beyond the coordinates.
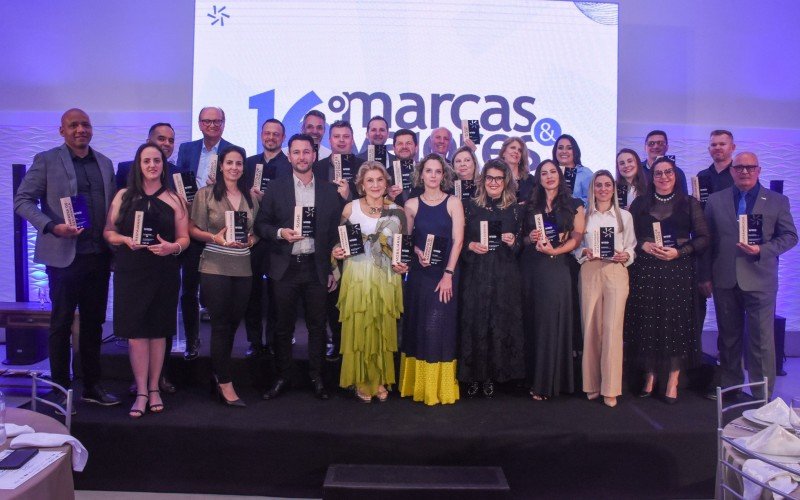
(364, 398)
(383, 394)
(158, 407)
(136, 412)
(538, 397)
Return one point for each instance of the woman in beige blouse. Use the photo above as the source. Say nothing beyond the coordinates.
(225, 273)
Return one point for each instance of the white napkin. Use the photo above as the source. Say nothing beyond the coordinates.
(13, 430)
(777, 478)
(48, 440)
(776, 411)
(774, 440)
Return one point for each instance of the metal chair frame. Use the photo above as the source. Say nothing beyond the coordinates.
(724, 491)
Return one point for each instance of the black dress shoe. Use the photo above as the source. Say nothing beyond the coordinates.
(279, 387)
(473, 388)
(488, 388)
(166, 386)
(97, 394)
(669, 400)
(192, 350)
(254, 350)
(319, 389)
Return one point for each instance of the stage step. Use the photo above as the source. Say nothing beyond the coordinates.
(423, 482)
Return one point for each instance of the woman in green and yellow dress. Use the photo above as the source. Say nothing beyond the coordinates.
(371, 297)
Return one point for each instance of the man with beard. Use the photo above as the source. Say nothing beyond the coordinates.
(300, 265)
(274, 164)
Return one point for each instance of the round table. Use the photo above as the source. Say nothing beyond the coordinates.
(737, 459)
(54, 482)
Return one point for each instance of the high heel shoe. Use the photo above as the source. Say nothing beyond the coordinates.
(473, 388)
(488, 389)
(158, 407)
(591, 396)
(610, 402)
(227, 402)
(136, 412)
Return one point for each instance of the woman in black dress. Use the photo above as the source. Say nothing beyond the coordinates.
(491, 343)
(549, 313)
(146, 278)
(514, 153)
(659, 318)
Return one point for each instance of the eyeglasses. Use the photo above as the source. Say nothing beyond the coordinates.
(490, 179)
(664, 173)
(651, 144)
(212, 122)
(742, 168)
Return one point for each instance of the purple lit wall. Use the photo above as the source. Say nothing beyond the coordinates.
(684, 66)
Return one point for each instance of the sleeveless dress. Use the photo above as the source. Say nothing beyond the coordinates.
(146, 285)
(549, 313)
(428, 350)
(370, 303)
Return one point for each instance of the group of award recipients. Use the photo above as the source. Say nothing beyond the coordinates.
(521, 277)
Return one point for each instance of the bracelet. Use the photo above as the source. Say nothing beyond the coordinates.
(180, 249)
(448, 271)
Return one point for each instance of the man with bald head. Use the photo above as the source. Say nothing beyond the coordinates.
(161, 135)
(744, 277)
(440, 142)
(77, 260)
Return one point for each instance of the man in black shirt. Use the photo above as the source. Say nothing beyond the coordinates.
(656, 144)
(274, 164)
(161, 135)
(77, 260)
(721, 148)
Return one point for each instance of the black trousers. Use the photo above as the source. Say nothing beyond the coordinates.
(189, 261)
(300, 282)
(226, 299)
(82, 284)
(260, 305)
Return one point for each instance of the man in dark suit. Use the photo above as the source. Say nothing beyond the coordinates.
(161, 135)
(274, 164)
(341, 139)
(745, 277)
(200, 158)
(77, 260)
(300, 266)
(405, 148)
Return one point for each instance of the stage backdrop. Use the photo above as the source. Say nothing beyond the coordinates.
(531, 69)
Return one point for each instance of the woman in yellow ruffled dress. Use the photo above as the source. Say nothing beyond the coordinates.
(371, 297)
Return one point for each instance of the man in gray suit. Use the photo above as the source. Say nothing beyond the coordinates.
(745, 277)
(77, 260)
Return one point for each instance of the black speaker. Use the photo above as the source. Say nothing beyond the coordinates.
(26, 340)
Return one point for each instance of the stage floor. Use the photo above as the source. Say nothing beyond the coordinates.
(564, 448)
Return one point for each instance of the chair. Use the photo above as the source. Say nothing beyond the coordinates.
(723, 490)
(36, 379)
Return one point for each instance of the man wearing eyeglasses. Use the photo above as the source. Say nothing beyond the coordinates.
(196, 157)
(656, 144)
(745, 277)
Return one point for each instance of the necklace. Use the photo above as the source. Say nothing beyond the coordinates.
(429, 201)
(665, 198)
(373, 210)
